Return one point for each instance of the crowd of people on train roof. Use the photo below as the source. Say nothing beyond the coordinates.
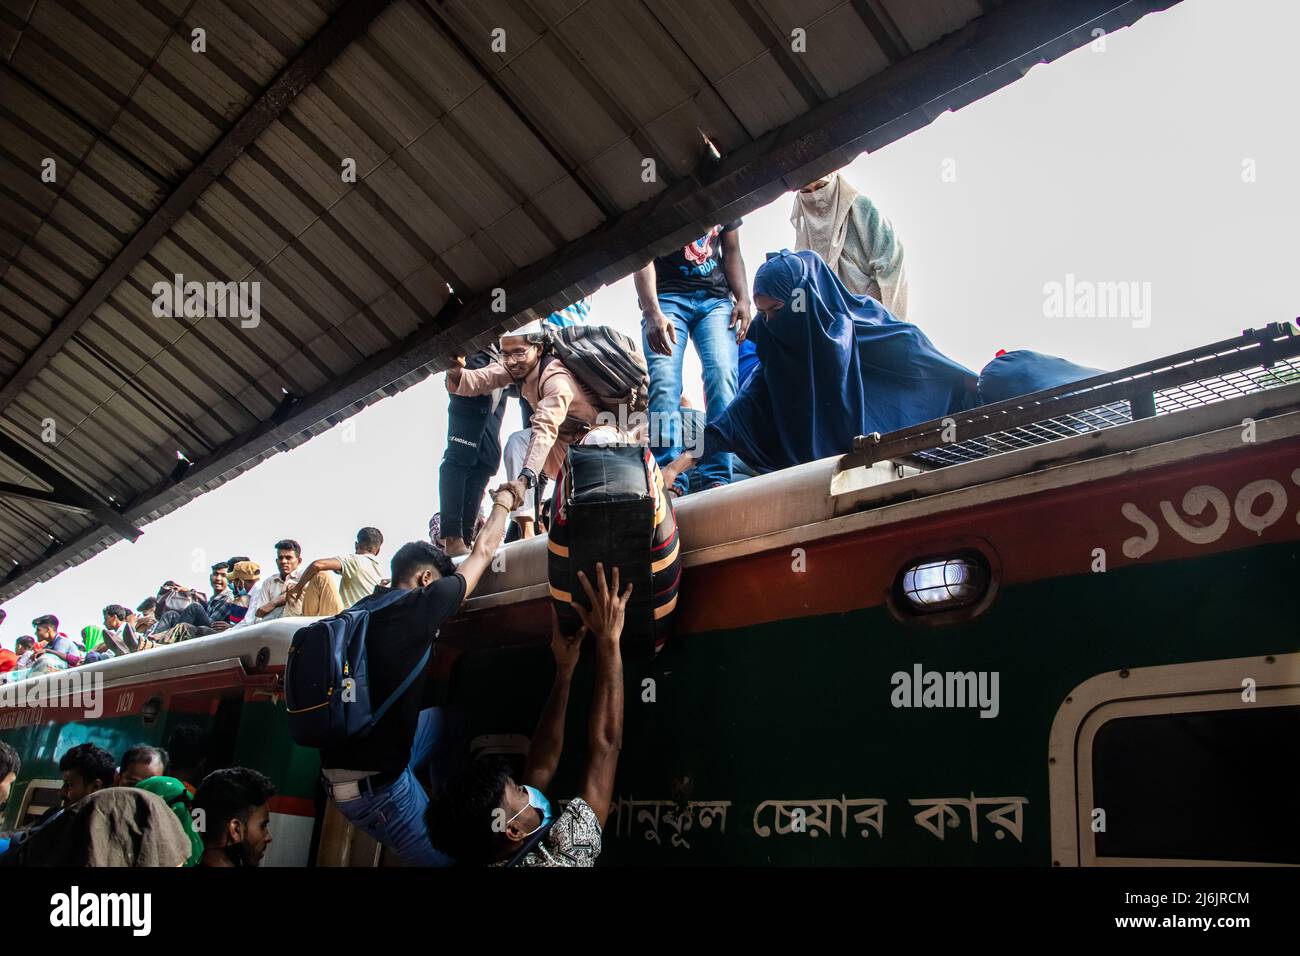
(825, 330)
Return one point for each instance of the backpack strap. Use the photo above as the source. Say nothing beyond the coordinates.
(401, 688)
(387, 599)
(383, 601)
(530, 844)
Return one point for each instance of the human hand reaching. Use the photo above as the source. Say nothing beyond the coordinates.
(605, 619)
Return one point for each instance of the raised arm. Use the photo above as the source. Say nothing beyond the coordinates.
(733, 265)
(548, 738)
(605, 730)
(295, 591)
(504, 500)
(477, 381)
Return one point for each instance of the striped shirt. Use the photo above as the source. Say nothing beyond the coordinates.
(576, 314)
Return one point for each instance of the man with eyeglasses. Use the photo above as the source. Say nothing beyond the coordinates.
(563, 410)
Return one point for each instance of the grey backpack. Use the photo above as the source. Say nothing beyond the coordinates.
(608, 363)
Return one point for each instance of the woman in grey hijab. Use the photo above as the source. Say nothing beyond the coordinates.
(116, 826)
(845, 228)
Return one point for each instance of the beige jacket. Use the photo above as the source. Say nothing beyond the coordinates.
(563, 409)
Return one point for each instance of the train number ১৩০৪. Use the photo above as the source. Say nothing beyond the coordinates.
(1263, 492)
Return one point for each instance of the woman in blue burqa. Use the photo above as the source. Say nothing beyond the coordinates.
(833, 366)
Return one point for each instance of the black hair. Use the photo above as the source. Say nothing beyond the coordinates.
(230, 794)
(462, 821)
(371, 539)
(288, 544)
(49, 619)
(188, 745)
(220, 564)
(148, 604)
(117, 611)
(9, 760)
(143, 753)
(413, 556)
(236, 559)
(93, 763)
(25, 639)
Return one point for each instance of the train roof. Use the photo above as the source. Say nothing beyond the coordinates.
(1085, 431)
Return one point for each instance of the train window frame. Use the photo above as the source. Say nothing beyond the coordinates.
(1164, 690)
(33, 787)
(967, 549)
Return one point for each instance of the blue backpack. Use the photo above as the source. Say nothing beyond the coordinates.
(327, 677)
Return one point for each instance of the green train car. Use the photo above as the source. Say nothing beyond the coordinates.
(1074, 652)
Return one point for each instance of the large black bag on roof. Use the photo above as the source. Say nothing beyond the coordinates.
(610, 506)
(608, 363)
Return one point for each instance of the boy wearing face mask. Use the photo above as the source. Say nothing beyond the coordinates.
(244, 576)
(485, 816)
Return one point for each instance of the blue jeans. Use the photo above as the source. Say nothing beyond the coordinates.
(701, 316)
(394, 814)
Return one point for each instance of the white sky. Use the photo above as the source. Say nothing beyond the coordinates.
(1124, 165)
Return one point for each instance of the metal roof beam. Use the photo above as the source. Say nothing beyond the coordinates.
(52, 498)
(991, 52)
(333, 39)
(66, 489)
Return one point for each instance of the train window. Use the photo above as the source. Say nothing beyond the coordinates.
(937, 584)
(1206, 785)
(42, 797)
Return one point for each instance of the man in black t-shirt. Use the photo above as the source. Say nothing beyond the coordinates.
(374, 780)
(688, 294)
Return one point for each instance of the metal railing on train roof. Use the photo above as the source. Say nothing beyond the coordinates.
(1257, 360)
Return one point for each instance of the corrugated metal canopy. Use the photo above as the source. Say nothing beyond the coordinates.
(498, 144)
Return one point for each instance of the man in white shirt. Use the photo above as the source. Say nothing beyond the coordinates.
(268, 598)
(360, 570)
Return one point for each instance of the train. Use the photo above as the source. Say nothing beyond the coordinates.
(1066, 637)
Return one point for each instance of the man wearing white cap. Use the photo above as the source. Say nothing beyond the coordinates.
(563, 408)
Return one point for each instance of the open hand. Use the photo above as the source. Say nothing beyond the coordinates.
(605, 619)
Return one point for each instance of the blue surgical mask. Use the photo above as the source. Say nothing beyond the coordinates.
(536, 799)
